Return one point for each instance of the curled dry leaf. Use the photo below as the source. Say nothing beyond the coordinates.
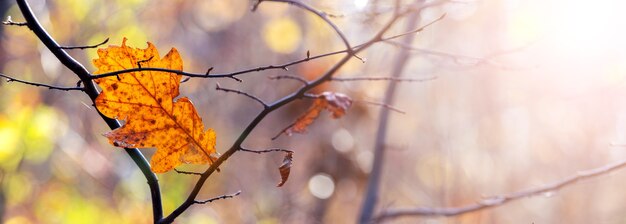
(285, 168)
(145, 100)
(336, 103)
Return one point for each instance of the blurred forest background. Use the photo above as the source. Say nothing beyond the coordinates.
(525, 93)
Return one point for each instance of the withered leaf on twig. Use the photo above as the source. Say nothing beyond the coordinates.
(285, 168)
(336, 103)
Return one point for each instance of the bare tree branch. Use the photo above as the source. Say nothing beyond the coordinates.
(187, 172)
(11, 79)
(266, 150)
(320, 14)
(10, 22)
(232, 75)
(226, 196)
(85, 47)
(91, 90)
(496, 201)
(218, 87)
(272, 107)
(292, 77)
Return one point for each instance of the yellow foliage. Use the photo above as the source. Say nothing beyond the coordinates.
(145, 100)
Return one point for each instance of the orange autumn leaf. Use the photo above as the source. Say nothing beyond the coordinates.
(336, 103)
(308, 117)
(145, 100)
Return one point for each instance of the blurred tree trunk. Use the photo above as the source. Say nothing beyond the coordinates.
(399, 63)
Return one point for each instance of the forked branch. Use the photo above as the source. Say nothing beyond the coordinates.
(218, 87)
(85, 47)
(272, 107)
(11, 79)
(91, 90)
(285, 66)
(226, 196)
(10, 22)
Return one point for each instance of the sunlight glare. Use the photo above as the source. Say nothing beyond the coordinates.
(589, 26)
(360, 4)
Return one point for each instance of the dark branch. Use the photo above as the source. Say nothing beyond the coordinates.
(187, 172)
(85, 47)
(218, 87)
(142, 61)
(266, 150)
(11, 79)
(10, 22)
(319, 14)
(233, 75)
(92, 92)
(270, 108)
(292, 77)
(501, 199)
(226, 196)
(283, 131)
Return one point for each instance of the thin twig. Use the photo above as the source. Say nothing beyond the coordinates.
(10, 22)
(292, 77)
(218, 87)
(382, 105)
(420, 29)
(363, 60)
(187, 172)
(265, 150)
(319, 14)
(495, 201)
(283, 131)
(233, 75)
(226, 196)
(458, 59)
(185, 80)
(142, 61)
(85, 47)
(393, 79)
(11, 79)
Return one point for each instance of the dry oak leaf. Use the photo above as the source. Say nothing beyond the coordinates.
(145, 100)
(336, 103)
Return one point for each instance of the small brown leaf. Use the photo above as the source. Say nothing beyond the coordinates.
(308, 117)
(285, 168)
(336, 103)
